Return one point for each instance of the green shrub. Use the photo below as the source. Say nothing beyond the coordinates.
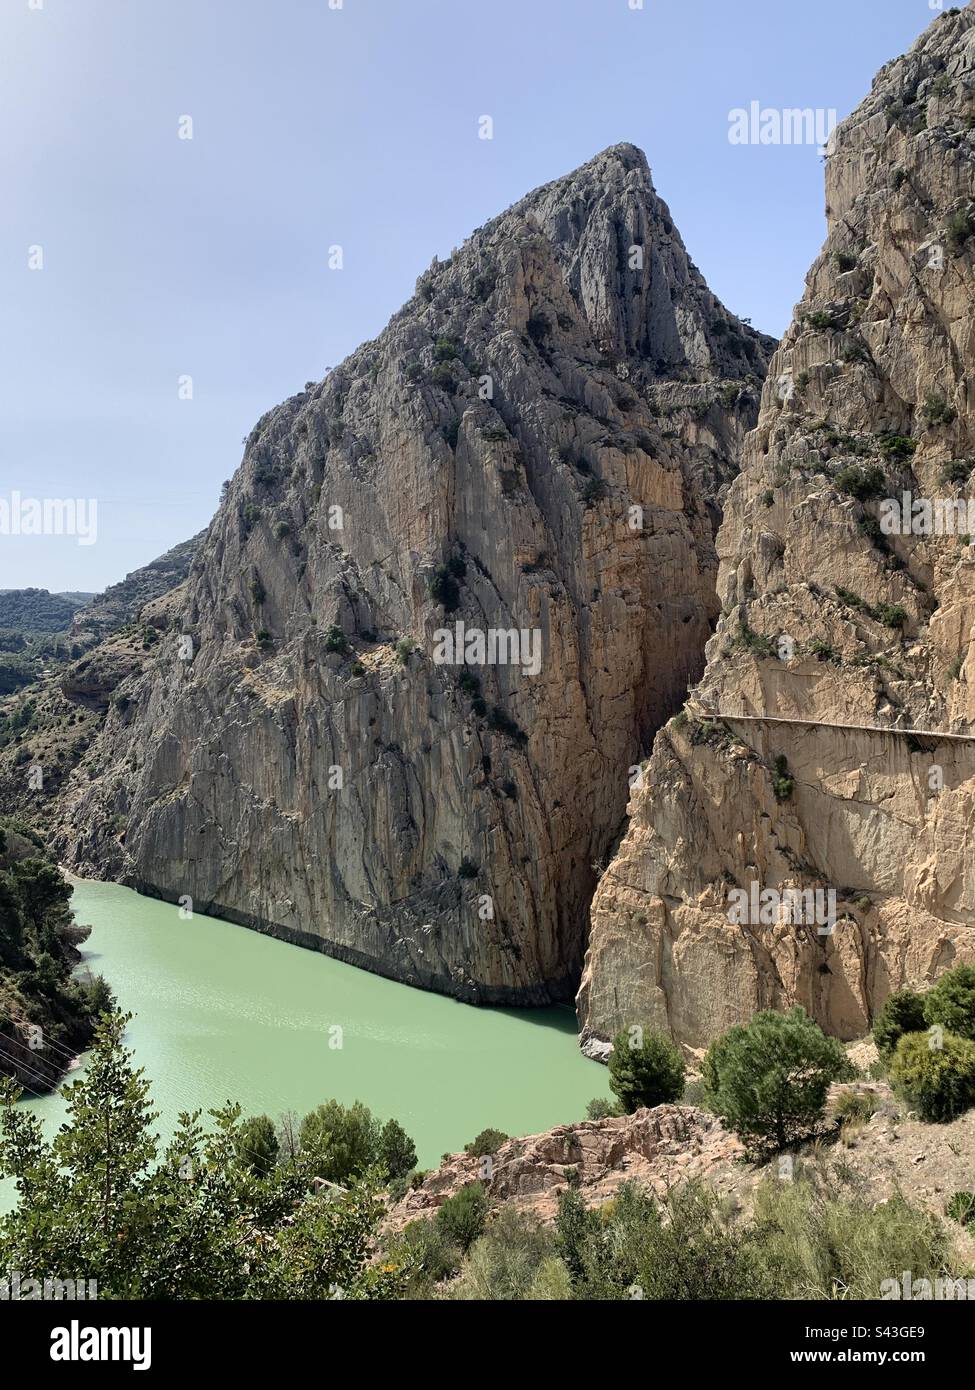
(938, 1082)
(336, 640)
(487, 1142)
(501, 721)
(951, 1003)
(395, 1150)
(822, 320)
(783, 783)
(852, 600)
(891, 614)
(462, 1216)
(505, 1261)
(425, 1249)
(769, 1080)
(821, 1243)
(444, 377)
(257, 1145)
(183, 1221)
(645, 1068)
(678, 1249)
(902, 1012)
(485, 282)
(961, 1208)
(936, 410)
(404, 647)
(862, 481)
(469, 683)
(956, 471)
(467, 868)
(961, 226)
(602, 1108)
(755, 642)
(444, 589)
(897, 446)
(341, 1141)
(852, 1109)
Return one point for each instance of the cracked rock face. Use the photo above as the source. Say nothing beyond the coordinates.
(540, 442)
(658, 1148)
(830, 620)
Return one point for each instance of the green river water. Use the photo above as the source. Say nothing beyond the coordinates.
(223, 1013)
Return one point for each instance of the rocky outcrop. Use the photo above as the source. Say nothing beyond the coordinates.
(658, 1148)
(884, 1154)
(120, 603)
(538, 444)
(813, 755)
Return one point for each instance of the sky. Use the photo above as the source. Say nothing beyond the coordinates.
(159, 293)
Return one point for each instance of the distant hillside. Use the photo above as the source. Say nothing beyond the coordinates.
(37, 610)
(120, 603)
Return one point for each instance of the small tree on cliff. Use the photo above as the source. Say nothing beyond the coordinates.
(645, 1069)
(769, 1081)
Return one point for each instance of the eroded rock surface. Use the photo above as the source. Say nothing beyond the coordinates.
(658, 1148)
(830, 621)
(540, 440)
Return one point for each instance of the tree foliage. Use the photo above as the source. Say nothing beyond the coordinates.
(190, 1222)
(935, 1075)
(769, 1080)
(645, 1069)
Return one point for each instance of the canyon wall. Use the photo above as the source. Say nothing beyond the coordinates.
(541, 441)
(844, 647)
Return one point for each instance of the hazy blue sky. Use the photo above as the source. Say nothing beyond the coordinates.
(356, 126)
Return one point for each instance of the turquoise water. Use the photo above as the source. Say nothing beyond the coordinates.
(223, 1013)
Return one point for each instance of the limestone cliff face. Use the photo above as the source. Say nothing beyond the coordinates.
(539, 440)
(829, 620)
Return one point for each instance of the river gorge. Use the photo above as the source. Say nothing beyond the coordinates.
(224, 1013)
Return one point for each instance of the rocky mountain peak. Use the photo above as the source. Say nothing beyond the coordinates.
(536, 446)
